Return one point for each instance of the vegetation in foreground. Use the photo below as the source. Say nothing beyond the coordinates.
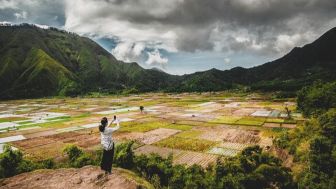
(313, 144)
(252, 168)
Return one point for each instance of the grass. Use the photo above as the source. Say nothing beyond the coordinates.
(141, 183)
(274, 120)
(189, 134)
(186, 103)
(87, 114)
(196, 123)
(290, 121)
(143, 127)
(226, 119)
(10, 119)
(273, 132)
(53, 124)
(186, 144)
(251, 121)
(179, 127)
(25, 122)
(58, 118)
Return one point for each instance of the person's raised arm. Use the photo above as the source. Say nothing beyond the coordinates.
(116, 121)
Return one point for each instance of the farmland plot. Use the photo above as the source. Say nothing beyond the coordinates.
(222, 124)
(227, 134)
(156, 135)
(179, 156)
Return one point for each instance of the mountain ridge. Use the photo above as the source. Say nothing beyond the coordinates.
(93, 69)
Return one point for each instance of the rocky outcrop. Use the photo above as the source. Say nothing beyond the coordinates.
(86, 177)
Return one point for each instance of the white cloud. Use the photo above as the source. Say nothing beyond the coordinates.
(128, 51)
(21, 15)
(106, 19)
(155, 58)
(227, 60)
(42, 26)
(5, 4)
(285, 42)
(5, 23)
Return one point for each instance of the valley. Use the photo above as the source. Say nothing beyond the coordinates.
(196, 128)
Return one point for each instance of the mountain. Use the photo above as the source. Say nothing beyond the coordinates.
(298, 68)
(38, 62)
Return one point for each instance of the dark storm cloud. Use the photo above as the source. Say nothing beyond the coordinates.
(258, 26)
(263, 26)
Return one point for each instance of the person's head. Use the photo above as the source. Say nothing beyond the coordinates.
(103, 124)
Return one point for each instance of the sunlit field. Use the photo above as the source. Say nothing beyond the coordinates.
(194, 127)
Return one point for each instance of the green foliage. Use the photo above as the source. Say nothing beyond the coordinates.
(12, 162)
(317, 99)
(77, 157)
(192, 144)
(314, 146)
(253, 169)
(124, 155)
(155, 165)
(250, 169)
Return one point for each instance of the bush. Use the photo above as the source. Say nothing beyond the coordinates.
(12, 163)
(124, 156)
(77, 158)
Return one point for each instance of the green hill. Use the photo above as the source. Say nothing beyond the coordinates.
(37, 62)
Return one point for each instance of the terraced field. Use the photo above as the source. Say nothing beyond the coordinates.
(196, 128)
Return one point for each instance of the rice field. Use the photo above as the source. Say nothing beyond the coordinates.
(186, 144)
(196, 128)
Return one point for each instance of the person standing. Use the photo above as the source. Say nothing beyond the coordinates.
(107, 143)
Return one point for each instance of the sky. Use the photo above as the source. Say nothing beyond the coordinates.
(184, 36)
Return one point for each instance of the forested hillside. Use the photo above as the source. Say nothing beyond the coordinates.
(38, 62)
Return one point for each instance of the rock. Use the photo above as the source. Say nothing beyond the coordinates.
(88, 177)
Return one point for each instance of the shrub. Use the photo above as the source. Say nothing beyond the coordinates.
(77, 158)
(124, 156)
(12, 163)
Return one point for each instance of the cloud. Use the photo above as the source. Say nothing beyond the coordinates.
(128, 51)
(227, 60)
(41, 12)
(22, 15)
(155, 58)
(267, 28)
(257, 26)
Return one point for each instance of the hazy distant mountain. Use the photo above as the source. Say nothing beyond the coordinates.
(37, 62)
